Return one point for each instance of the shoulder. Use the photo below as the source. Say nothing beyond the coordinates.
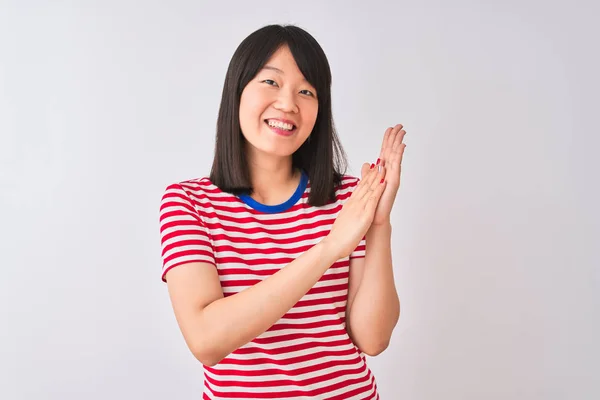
(191, 188)
(191, 193)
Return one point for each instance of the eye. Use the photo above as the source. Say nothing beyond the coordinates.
(307, 92)
(270, 82)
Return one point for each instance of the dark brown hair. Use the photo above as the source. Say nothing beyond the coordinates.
(322, 157)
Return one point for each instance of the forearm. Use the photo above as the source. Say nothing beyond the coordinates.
(233, 321)
(376, 308)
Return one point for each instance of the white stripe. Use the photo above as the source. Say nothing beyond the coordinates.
(220, 208)
(349, 388)
(294, 331)
(254, 245)
(248, 236)
(275, 377)
(295, 342)
(287, 367)
(330, 382)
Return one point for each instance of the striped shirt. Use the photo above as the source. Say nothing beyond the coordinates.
(307, 354)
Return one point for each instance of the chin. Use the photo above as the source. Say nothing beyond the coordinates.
(278, 149)
(266, 142)
(282, 152)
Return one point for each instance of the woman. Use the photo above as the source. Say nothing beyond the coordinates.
(278, 265)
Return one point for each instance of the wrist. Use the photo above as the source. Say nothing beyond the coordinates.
(386, 223)
(377, 229)
(327, 250)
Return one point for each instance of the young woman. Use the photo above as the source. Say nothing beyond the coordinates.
(278, 265)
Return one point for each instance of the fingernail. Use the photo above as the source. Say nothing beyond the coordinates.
(372, 165)
(378, 160)
(382, 181)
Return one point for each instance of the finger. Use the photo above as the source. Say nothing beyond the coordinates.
(364, 170)
(373, 199)
(385, 142)
(393, 134)
(398, 139)
(396, 146)
(380, 176)
(395, 167)
(375, 180)
(364, 182)
(390, 143)
(366, 189)
(401, 153)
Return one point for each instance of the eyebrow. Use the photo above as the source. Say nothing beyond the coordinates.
(272, 68)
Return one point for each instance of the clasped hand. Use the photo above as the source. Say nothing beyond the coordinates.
(372, 200)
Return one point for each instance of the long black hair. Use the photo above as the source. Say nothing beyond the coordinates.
(322, 157)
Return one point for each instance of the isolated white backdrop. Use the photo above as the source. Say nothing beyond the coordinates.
(104, 103)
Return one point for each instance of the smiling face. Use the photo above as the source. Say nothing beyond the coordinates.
(278, 107)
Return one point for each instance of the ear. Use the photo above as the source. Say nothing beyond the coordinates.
(363, 171)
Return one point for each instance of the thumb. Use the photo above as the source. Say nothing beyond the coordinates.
(363, 171)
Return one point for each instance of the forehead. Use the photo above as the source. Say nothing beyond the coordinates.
(282, 62)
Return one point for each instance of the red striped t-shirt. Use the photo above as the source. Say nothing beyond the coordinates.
(307, 354)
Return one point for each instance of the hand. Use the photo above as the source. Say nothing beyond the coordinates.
(390, 157)
(356, 216)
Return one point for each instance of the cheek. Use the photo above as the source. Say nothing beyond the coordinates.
(248, 111)
(251, 110)
(310, 117)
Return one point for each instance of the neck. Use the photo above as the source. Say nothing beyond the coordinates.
(273, 179)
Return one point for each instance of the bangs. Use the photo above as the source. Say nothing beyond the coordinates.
(312, 62)
(308, 54)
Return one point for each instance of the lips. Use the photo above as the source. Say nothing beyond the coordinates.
(285, 121)
(280, 131)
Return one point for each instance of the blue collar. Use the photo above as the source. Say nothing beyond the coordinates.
(279, 207)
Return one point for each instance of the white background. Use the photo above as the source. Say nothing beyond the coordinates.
(103, 104)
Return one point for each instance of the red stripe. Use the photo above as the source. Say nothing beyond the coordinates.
(270, 250)
(273, 371)
(269, 272)
(292, 348)
(287, 382)
(351, 394)
(293, 360)
(265, 231)
(266, 240)
(218, 213)
(187, 242)
(280, 394)
(314, 314)
(191, 214)
(303, 335)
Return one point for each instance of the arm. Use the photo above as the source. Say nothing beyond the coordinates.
(373, 307)
(214, 326)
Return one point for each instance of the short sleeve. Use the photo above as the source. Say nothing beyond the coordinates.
(184, 236)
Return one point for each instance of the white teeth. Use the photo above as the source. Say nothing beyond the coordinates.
(281, 125)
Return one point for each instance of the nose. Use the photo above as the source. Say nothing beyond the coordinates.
(286, 102)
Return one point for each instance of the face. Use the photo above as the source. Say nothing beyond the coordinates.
(278, 108)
